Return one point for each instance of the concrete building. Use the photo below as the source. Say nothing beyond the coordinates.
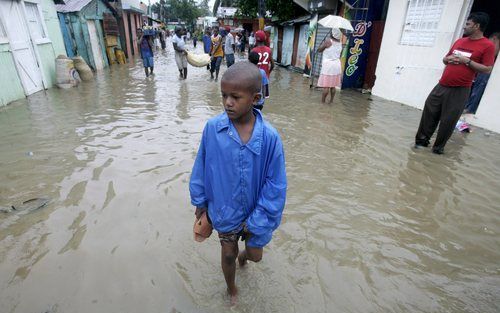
(30, 40)
(417, 35)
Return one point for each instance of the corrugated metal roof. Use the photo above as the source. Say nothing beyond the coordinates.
(299, 20)
(72, 6)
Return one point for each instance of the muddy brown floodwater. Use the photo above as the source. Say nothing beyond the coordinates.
(370, 224)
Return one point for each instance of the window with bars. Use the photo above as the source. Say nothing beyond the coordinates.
(34, 21)
(422, 22)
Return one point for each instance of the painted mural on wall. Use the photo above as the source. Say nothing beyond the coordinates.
(311, 36)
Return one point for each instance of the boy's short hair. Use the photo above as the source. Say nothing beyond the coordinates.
(247, 75)
(253, 57)
(481, 18)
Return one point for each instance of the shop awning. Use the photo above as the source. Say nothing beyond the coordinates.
(299, 20)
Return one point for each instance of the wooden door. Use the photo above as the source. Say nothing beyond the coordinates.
(21, 45)
(295, 44)
(95, 45)
(280, 44)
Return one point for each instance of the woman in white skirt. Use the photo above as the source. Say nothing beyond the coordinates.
(331, 68)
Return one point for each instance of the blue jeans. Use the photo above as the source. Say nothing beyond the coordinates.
(148, 62)
(215, 64)
(477, 92)
(229, 59)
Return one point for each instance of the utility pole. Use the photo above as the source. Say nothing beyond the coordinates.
(262, 13)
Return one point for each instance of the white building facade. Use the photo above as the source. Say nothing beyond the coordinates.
(417, 36)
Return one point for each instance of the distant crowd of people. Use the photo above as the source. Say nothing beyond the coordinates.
(219, 44)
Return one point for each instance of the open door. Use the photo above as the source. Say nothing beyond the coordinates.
(95, 45)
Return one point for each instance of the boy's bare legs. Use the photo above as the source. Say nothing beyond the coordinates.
(332, 93)
(324, 95)
(229, 253)
(249, 254)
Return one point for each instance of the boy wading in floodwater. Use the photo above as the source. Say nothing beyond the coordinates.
(239, 176)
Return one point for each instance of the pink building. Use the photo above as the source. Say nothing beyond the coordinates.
(130, 14)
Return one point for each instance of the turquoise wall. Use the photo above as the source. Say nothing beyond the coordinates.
(53, 28)
(11, 88)
(47, 56)
(49, 51)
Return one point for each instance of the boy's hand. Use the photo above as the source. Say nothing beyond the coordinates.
(199, 212)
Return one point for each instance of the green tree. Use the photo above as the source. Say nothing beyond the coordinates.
(282, 9)
(184, 10)
(204, 8)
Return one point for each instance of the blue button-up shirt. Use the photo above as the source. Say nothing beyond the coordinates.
(240, 182)
(207, 42)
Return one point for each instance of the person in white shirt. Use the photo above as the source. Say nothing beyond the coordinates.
(180, 52)
(251, 42)
(229, 47)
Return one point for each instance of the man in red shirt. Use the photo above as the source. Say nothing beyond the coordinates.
(266, 61)
(469, 55)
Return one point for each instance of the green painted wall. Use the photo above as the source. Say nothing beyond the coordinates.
(48, 63)
(49, 51)
(53, 28)
(11, 88)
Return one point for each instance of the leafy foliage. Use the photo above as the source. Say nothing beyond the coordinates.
(185, 10)
(282, 9)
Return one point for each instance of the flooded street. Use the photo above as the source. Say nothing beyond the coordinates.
(370, 224)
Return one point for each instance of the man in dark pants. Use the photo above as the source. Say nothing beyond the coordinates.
(469, 55)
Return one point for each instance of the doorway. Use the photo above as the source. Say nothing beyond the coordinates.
(95, 46)
(22, 47)
(492, 8)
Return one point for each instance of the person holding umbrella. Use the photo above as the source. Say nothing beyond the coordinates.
(331, 68)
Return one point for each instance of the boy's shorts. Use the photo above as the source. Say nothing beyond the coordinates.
(148, 62)
(251, 241)
(235, 235)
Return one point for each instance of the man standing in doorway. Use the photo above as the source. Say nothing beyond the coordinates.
(469, 55)
(229, 47)
(481, 81)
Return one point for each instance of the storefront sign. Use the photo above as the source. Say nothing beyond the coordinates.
(356, 50)
(355, 64)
